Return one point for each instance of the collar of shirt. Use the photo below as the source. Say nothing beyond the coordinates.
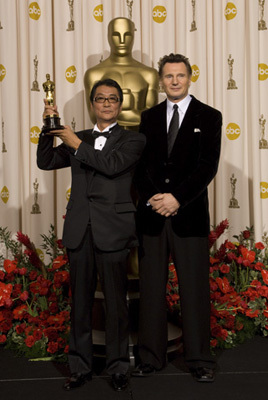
(182, 108)
(99, 142)
(107, 129)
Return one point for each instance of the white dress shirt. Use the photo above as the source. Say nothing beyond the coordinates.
(182, 108)
(101, 140)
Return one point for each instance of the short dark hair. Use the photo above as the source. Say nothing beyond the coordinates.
(174, 58)
(109, 83)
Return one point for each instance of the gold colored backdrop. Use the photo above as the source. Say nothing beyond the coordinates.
(227, 46)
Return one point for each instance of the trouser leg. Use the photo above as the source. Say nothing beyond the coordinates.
(152, 335)
(112, 269)
(191, 259)
(83, 285)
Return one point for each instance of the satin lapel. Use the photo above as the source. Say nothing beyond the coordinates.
(161, 123)
(87, 137)
(190, 121)
(192, 114)
(111, 140)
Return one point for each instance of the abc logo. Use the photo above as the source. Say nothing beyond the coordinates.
(40, 254)
(68, 194)
(70, 74)
(5, 194)
(195, 73)
(98, 13)
(34, 134)
(264, 190)
(34, 11)
(2, 72)
(263, 72)
(159, 14)
(230, 11)
(233, 131)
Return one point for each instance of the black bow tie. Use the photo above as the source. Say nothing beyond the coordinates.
(97, 134)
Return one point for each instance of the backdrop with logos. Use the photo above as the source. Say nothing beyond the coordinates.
(226, 43)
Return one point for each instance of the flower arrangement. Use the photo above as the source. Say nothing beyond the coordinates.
(238, 286)
(34, 298)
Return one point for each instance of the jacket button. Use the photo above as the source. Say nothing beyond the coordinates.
(167, 180)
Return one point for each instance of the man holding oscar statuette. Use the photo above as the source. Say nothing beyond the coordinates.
(99, 227)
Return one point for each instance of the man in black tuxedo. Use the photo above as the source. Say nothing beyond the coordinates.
(180, 160)
(99, 227)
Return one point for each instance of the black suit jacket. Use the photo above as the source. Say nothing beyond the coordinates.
(186, 174)
(101, 187)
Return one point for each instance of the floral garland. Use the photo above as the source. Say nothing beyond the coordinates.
(238, 288)
(35, 299)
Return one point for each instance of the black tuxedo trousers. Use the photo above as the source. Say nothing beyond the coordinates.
(85, 263)
(190, 256)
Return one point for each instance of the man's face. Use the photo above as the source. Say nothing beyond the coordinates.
(121, 37)
(106, 113)
(175, 81)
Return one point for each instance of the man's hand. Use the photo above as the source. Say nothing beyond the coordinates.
(164, 204)
(68, 137)
(49, 110)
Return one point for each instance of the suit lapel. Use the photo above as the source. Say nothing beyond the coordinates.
(190, 121)
(111, 140)
(161, 128)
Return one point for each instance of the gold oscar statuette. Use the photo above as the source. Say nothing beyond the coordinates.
(51, 122)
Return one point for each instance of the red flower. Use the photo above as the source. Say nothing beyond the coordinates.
(33, 275)
(24, 296)
(225, 269)
(215, 234)
(60, 278)
(20, 311)
(252, 314)
(263, 291)
(37, 334)
(223, 284)
(52, 347)
(219, 332)
(213, 343)
(10, 265)
(259, 246)
(264, 274)
(29, 341)
(248, 256)
(229, 245)
(51, 333)
(20, 328)
(246, 234)
(53, 308)
(259, 266)
(3, 338)
(5, 292)
(58, 262)
(22, 271)
(16, 290)
(59, 243)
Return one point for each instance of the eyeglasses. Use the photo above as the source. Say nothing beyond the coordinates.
(110, 99)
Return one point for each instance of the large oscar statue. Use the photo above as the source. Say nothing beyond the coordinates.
(139, 82)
